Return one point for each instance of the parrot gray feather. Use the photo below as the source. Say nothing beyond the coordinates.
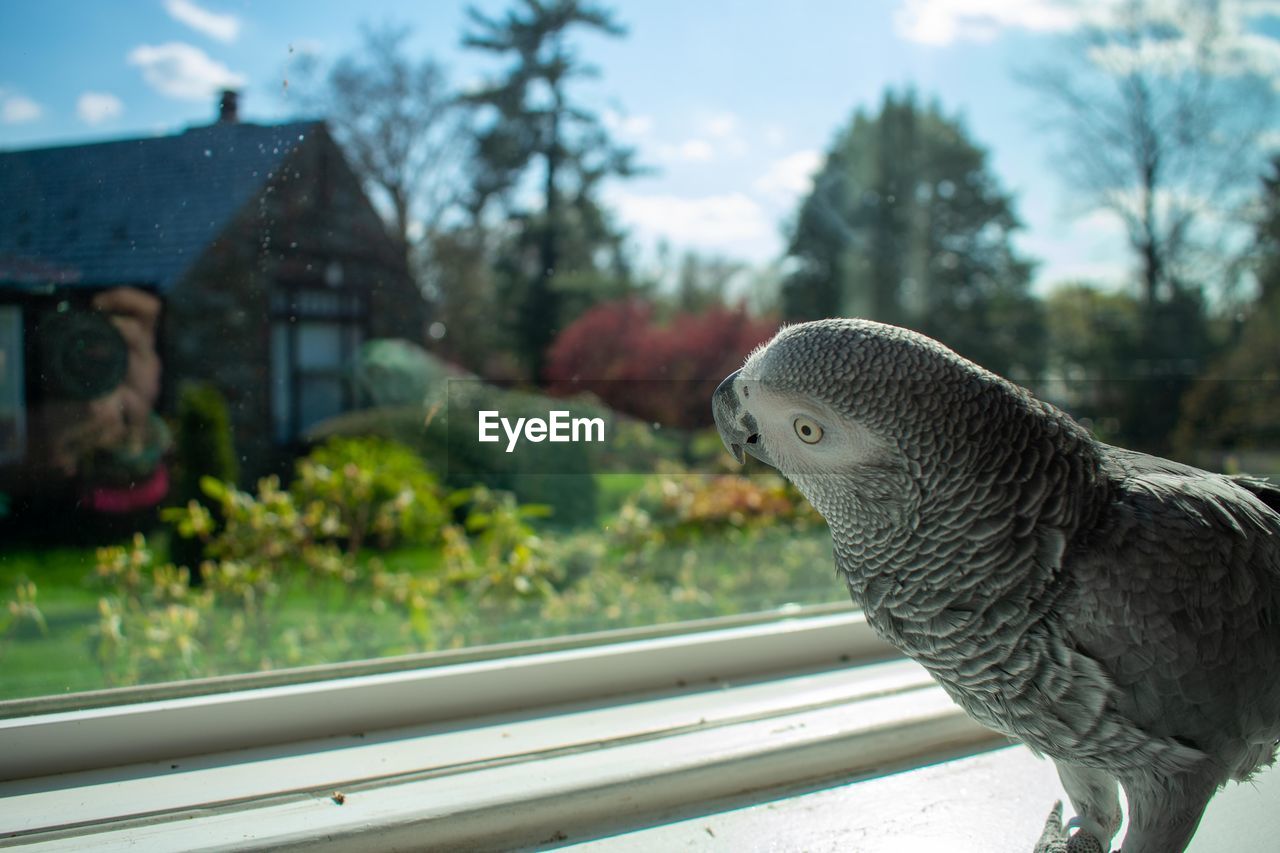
(1110, 609)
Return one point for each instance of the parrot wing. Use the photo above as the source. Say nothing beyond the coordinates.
(1177, 595)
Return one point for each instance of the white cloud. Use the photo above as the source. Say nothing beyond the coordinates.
(1258, 54)
(775, 135)
(1233, 49)
(1236, 50)
(97, 107)
(720, 125)
(1240, 50)
(1246, 9)
(715, 136)
(18, 109)
(213, 24)
(1269, 141)
(943, 22)
(629, 128)
(723, 127)
(689, 151)
(789, 177)
(307, 47)
(733, 224)
(183, 71)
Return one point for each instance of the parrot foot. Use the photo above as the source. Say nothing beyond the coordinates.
(1057, 838)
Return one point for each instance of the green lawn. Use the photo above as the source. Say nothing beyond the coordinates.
(33, 662)
(328, 621)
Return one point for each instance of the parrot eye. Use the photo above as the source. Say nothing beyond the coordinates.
(809, 432)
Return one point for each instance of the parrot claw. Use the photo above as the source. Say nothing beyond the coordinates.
(1056, 837)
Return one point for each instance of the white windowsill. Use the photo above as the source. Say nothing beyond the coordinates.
(737, 738)
(991, 802)
(564, 744)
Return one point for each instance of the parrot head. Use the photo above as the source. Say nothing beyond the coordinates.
(848, 411)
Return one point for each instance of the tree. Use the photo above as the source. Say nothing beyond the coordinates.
(400, 124)
(1093, 336)
(1161, 106)
(468, 307)
(659, 372)
(1233, 405)
(1267, 243)
(703, 282)
(905, 224)
(533, 123)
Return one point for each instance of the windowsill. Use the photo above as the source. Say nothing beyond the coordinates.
(558, 745)
(805, 732)
(991, 802)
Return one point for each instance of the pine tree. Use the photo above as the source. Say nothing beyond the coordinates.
(535, 125)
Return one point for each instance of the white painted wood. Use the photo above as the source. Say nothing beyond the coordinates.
(613, 770)
(993, 802)
(195, 783)
(161, 730)
(482, 805)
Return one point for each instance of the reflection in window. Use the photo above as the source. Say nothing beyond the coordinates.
(314, 342)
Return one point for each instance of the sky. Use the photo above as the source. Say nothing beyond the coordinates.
(730, 102)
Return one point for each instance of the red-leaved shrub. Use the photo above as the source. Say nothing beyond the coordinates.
(660, 372)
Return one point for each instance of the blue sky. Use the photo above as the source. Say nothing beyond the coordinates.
(732, 101)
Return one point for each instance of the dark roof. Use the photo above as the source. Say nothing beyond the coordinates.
(134, 211)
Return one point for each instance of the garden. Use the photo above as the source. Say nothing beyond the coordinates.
(368, 553)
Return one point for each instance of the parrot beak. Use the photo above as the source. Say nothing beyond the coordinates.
(725, 407)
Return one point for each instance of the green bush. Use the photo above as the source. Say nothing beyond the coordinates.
(366, 554)
(371, 489)
(263, 552)
(559, 475)
(203, 443)
(22, 614)
(152, 626)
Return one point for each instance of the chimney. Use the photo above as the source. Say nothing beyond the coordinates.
(228, 106)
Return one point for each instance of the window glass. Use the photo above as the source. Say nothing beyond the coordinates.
(332, 332)
(13, 420)
(282, 402)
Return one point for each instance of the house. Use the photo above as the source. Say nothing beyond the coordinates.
(269, 262)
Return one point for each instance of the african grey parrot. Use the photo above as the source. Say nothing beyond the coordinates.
(1115, 611)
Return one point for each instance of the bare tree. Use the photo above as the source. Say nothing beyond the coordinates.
(401, 125)
(1161, 105)
(534, 123)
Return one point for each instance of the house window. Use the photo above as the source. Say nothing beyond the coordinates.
(13, 418)
(314, 338)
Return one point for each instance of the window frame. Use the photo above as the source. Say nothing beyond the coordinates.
(229, 742)
(293, 304)
(86, 731)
